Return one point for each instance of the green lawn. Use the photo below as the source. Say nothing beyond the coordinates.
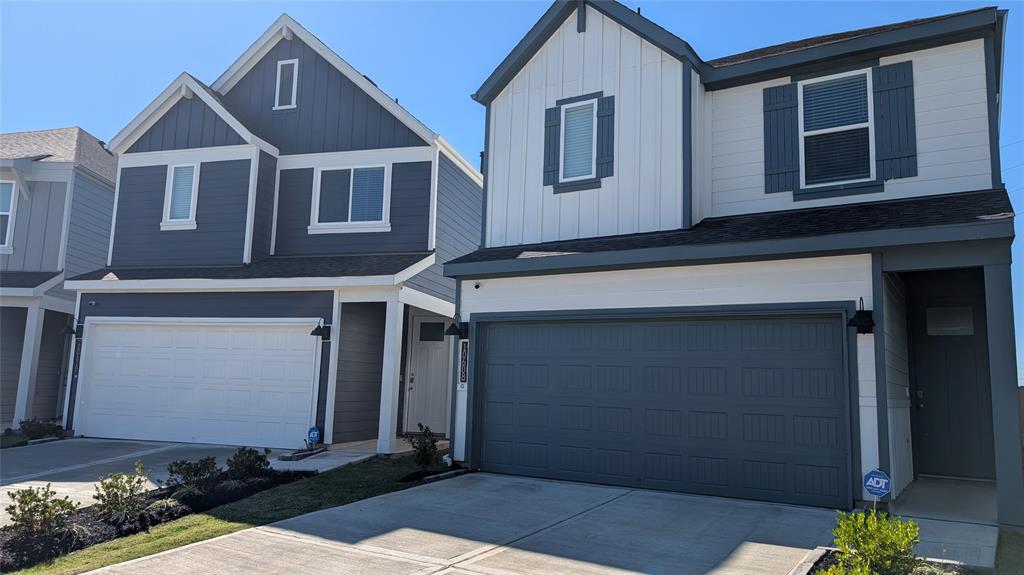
(330, 489)
(1010, 553)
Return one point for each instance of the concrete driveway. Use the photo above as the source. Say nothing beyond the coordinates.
(493, 524)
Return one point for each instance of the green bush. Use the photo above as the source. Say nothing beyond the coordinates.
(163, 510)
(121, 497)
(38, 512)
(199, 475)
(425, 446)
(247, 463)
(872, 543)
(36, 429)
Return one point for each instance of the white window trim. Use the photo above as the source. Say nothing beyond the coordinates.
(6, 243)
(167, 224)
(318, 227)
(295, 85)
(593, 143)
(870, 125)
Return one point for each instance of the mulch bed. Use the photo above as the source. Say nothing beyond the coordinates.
(88, 528)
(831, 557)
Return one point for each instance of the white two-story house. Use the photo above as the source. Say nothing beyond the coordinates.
(760, 276)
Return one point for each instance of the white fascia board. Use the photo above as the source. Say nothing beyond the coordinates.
(188, 156)
(92, 320)
(14, 296)
(183, 85)
(285, 25)
(355, 158)
(425, 301)
(460, 161)
(404, 275)
(203, 285)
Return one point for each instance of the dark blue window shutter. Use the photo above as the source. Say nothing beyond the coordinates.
(895, 134)
(606, 136)
(552, 129)
(781, 139)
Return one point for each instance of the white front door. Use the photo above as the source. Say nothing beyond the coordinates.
(427, 384)
(243, 383)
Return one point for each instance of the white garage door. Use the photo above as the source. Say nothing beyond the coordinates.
(238, 384)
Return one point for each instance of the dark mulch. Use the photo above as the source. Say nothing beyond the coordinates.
(89, 528)
(831, 557)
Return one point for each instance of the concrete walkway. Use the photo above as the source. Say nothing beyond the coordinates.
(492, 524)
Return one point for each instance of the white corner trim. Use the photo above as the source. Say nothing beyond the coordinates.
(113, 212)
(120, 143)
(294, 62)
(273, 224)
(460, 161)
(69, 196)
(284, 25)
(432, 220)
(250, 210)
(332, 370)
(71, 364)
(428, 302)
(404, 275)
(189, 223)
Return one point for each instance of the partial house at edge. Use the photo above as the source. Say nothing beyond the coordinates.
(275, 261)
(56, 200)
(676, 254)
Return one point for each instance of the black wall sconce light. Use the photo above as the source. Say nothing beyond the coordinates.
(72, 329)
(321, 330)
(862, 320)
(460, 329)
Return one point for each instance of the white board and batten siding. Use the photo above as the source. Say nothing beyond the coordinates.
(837, 278)
(644, 194)
(951, 114)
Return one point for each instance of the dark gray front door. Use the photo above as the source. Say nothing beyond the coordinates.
(752, 407)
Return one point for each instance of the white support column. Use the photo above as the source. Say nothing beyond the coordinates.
(389, 380)
(29, 364)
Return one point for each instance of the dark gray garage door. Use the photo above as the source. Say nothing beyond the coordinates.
(751, 407)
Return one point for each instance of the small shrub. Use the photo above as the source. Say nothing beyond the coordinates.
(874, 543)
(188, 494)
(230, 486)
(121, 497)
(199, 474)
(248, 462)
(36, 429)
(425, 446)
(38, 512)
(163, 510)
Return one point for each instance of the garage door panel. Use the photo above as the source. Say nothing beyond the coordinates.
(743, 407)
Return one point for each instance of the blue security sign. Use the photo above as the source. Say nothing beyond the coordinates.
(313, 435)
(877, 483)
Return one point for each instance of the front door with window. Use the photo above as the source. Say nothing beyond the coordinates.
(427, 384)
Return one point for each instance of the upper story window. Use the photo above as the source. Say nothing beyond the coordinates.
(8, 199)
(285, 95)
(353, 199)
(836, 130)
(180, 197)
(579, 141)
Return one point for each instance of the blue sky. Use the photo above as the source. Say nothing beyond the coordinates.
(97, 64)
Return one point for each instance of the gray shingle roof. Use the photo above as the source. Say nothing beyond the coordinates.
(25, 279)
(937, 210)
(60, 145)
(273, 267)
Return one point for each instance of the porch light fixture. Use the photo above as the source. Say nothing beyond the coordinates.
(460, 329)
(862, 320)
(321, 330)
(72, 329)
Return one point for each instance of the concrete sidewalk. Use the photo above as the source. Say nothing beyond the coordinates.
(491, 524)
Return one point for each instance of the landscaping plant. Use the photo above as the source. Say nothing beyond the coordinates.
(873, 543)
(36, 429)
(248, 463)
(425, 446)
(37, 512)
(196, 476)
(121, 497)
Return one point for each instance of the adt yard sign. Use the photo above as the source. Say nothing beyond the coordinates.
(313, 435)
(877, 483)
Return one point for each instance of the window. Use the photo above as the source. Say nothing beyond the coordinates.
(287, 84)
(8, 199)
(579, 137)
(836, 131)
(180, 197)
(350, 200)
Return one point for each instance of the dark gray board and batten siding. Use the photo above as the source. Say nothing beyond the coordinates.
(39, 219)
(219, 236)
(312, 304)
(458, 221)
(332, 114)
(410, 221)
(12, 338)
(360, 361)
(190, 123)
(263, 215)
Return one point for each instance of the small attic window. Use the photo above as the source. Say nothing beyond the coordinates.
(287, 84)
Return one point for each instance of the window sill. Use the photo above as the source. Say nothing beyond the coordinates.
(349, 228)
(576, 185)
(835, 191)
(173, 226)
(6, 250)
(292, 107)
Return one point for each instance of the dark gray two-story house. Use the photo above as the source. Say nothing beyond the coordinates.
(275, 261)
(56, 200)
(758, 276)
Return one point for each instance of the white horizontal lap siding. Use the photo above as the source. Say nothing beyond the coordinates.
(645, 192)
(951, 119)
